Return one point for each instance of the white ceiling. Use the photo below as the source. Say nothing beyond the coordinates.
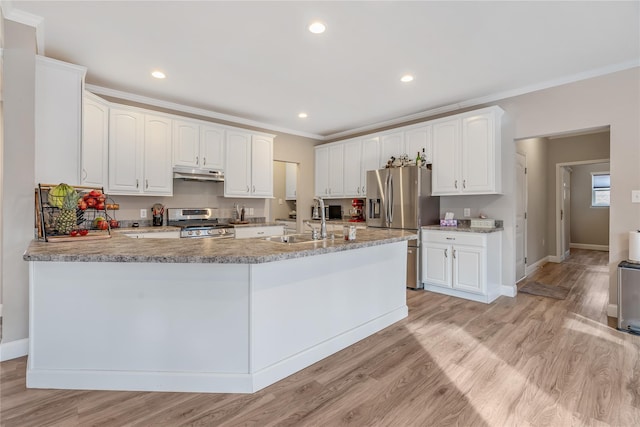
(257, 61)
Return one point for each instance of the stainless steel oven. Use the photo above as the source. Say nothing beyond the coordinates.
(199, 223)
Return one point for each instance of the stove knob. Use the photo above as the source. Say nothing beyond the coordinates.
(222, 231)
(211, 231)
(190, 233)
(197, 232)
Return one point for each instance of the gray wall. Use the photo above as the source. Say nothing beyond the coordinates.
(18, 176)
(566, 150)
(536, 151)
(589, 225)
(280, 211)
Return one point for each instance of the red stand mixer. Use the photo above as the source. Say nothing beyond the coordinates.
(357, 210)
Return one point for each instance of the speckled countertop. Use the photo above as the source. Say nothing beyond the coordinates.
(463, 229)
(120, 248)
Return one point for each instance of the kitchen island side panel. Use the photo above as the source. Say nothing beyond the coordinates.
(139, 317)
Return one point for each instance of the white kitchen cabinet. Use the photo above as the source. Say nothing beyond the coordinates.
(95, 141)
(198, 145)
(467, 154)
(418, 140)
(462, 264)
(291, 180)
(352, 173)
(391, 145)
(248, 165)
(154, 235)
(139, 153)
(58, 121)
(244, 232)
(329, 162)
(370, 160)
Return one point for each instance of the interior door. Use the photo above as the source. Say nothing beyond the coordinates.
(565, 212)
(521, 216)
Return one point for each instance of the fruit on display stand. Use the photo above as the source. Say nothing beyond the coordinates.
(58, 193)
(67, 219)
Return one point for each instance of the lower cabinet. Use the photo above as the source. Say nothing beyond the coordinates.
(462, 264)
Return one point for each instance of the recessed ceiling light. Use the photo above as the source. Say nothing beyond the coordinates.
(406, 78)
(158, 74)
(317, 27)
(303, 115)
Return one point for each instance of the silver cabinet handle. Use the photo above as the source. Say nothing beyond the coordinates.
(260, 232)
(204, 161)
(445, 253)
(247, 188)
(456, 184)
(146, 183)
(464, 183)
(254, 188)
(137, 184)
(196, 160)
(84, 171)
(358, 191)
(451, 238)
(454, 252)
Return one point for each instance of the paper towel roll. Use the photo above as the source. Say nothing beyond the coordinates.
(634, 246)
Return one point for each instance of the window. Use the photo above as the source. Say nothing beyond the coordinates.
(600, 189)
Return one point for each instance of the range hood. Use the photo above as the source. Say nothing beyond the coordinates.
(194, 174)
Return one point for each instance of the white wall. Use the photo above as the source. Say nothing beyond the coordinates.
(18, 176)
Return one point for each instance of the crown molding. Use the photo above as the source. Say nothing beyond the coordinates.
(490, 98)
(25, 18)
(99, 90)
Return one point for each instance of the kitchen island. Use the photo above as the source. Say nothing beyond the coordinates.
(204, 315)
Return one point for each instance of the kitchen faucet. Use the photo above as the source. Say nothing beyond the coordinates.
(323, 219)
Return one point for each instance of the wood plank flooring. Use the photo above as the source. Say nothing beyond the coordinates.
(524, 361)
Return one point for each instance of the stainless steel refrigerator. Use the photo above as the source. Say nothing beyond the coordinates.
(401, 198)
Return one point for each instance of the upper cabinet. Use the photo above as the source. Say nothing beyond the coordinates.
(329, 170)
(291, 179)
(249, 164)
(352, 164)
(139, 153)
(370, 160)
(198, 145)
(418, 140)
(58, 121)
(95, 142)
(467, 153)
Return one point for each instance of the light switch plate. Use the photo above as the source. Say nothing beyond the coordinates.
(143, 213)
(467, 212)
(635, 196)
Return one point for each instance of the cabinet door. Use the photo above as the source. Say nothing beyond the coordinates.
(446, 164)
(237, 164)
(336, 170)
(126, 132)
(478, 154)
(418, 141)
(211, 147)
(58, 121)
(95, 143)
(468, 269)
(436, 264)
(391, 145)
(262, 166)
(322, 171)
(158, 170)
(370, 160)
(186, 143)
(291, 179)
(352, 168)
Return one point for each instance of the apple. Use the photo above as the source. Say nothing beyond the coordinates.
(82, 205)
(74, 233)
(100, 206)
(114, 224)
(103, 225)
(94, 193)
(83, 232)
(91, 203)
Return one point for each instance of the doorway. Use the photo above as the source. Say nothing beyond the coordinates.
(521, 216)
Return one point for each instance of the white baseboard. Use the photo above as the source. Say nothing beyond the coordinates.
(554, 258)
(14, 349)
(508, 290)
(0, 310)
(604, 248)
(612, 310)
(535, 266)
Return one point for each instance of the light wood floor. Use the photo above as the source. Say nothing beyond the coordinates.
(524, 361)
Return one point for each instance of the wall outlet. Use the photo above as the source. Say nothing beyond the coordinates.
(143, 213)
(467, 212)
(635, 196)
(250, 211)
(280, 202)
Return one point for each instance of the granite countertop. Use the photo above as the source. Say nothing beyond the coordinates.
(120, 248)
(463, 229)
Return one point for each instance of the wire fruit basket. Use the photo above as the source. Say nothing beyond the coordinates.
(88, 220)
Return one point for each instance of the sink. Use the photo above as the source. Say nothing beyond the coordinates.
(290, 239)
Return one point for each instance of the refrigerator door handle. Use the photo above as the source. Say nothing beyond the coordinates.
(390, 192)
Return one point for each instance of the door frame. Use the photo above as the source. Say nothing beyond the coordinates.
(559, 257)
(526, 208)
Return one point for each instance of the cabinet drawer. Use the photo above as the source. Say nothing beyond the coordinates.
(249, 232)
(454, 238)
